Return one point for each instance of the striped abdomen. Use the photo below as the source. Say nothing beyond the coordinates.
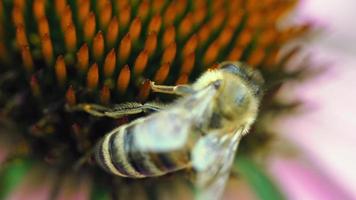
(117, 154)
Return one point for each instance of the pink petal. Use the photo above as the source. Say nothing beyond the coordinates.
(326, 132)
(301, 181)
(337, 15)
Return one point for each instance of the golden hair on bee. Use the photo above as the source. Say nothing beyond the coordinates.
(240, 86)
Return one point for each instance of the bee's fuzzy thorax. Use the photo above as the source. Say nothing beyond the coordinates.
(207, 78)
(248, 116)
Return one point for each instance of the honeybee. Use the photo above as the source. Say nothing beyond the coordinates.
(201, 130)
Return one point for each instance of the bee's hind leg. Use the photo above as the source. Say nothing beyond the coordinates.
(180, 90)
(118, 110)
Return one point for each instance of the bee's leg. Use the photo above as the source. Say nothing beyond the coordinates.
(153, 107)
(93, 109)
(131, 108)
(83, 159)
(181, 90)
(118, 110)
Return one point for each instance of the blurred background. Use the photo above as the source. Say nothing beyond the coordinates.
(326, 132)
(314, 149)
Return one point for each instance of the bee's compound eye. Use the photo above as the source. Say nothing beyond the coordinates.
(230, 67)
(234, 69)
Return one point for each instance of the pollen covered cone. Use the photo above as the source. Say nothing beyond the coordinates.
(56, 54)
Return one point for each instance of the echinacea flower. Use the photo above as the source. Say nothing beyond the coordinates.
(55, 54)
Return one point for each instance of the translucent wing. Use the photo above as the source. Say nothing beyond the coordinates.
(169, 129)
(212, 158)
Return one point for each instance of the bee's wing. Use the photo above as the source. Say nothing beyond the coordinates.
(168, 130)
(212, 158)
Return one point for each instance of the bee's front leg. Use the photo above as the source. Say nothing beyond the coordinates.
(180, 90)
(118, 110)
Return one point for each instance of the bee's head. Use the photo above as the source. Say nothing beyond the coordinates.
(252, 78)
(240, 93)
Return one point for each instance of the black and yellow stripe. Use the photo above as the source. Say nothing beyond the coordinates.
(116, 153)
